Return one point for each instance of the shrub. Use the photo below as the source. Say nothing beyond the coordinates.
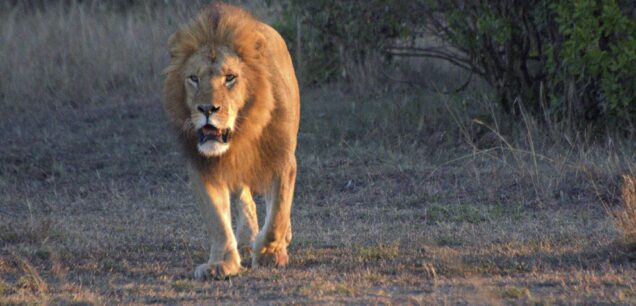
(338, 34)
(505, 42)
(565, 60)
(597, 55)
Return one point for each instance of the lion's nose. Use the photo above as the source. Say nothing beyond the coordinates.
(208, 109)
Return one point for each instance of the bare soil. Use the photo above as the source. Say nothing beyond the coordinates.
(95, 209)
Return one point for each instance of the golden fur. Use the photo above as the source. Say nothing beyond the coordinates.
(261, 154)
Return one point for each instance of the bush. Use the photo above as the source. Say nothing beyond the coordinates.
(339, 34)
(597, 55)
(571, 61)
(502, 41)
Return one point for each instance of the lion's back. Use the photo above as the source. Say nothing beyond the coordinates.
(282, 62)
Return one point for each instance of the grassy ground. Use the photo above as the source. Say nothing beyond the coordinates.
(400, 198)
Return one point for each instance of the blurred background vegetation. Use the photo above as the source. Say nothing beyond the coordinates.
(571, 62)
(569, 65)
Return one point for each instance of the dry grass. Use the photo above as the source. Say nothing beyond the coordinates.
(625, 215)
(65, 50)
(61, 52)
(402, 197)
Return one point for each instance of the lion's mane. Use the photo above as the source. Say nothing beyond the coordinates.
(258, 151)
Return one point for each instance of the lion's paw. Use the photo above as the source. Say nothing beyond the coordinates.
(278, 259)
(246, 256)
(217, 271)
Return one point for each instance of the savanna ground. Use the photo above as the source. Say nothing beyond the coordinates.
(402, 196)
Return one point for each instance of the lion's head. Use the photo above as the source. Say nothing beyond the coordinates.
(215, 93)
(212, 76)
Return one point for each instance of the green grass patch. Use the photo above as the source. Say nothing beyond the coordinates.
(448, 240)
(183, 286)
(470, 213)
(513, 292)
(43, 253)
(377, 252)
(4, 288)
(326, 287)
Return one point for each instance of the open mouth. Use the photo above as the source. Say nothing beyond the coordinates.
(209, 132)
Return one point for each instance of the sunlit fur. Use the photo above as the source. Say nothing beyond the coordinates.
(263, 113)
(213, 148)
(252, 159)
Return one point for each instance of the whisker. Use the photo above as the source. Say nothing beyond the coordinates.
(187, 125)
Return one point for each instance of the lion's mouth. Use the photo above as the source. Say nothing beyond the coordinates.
(209, 132)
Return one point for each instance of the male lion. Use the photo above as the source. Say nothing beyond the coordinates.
(232, 96)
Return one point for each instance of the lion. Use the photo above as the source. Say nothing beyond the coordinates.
(232, 97)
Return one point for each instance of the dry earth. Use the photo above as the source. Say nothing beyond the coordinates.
(95, 208)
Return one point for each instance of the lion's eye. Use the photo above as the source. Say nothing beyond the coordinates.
(193, 79)
(230, 79)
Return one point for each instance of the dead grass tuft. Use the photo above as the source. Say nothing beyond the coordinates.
(35, 231)
(625, 216)
(31, 281)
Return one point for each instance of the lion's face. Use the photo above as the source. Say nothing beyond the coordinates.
(215, 93)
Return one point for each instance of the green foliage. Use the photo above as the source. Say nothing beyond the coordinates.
(599, 53)
(567, 60)
(571, 59)
(335, 34)
(500, 40)
(456, 213)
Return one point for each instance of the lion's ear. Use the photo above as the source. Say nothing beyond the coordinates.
(256, 46)
(181, 44)
(259, 44)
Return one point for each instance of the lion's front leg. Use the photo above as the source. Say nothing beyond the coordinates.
(247, 227)
(270, 247)
(214, 202)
